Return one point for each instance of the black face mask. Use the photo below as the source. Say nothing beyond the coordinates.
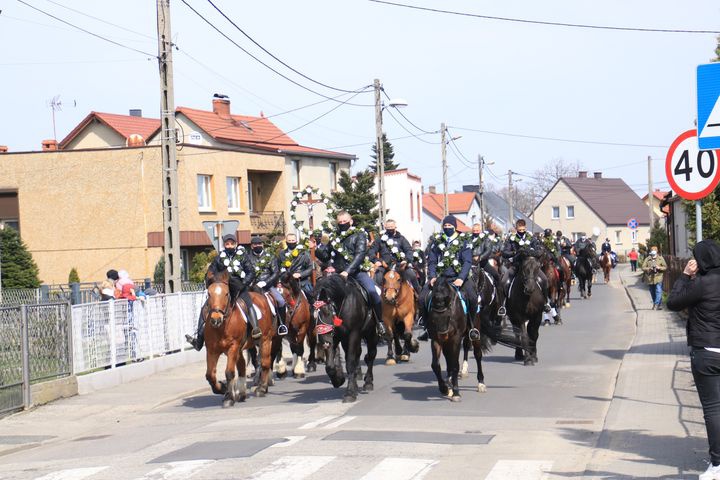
(390, 233)
(257, 250)
(449, 232)
(476, 235)
(291, 246)
(230, 251)
(343, 226)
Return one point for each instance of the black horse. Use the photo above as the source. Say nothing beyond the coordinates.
(344, 318)
(584, 271)
(525, 304)
(483, 321)
(446, 325)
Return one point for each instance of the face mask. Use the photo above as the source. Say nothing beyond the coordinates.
(257, 250)
(390, 233)
(291, 246)
(230, 251)
(449, 232)
(476, 235)
(343, 226)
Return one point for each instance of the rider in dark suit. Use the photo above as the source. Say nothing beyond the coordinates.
(392, 248)
(483, 246)
(295, 260)
(419, 262)
(267, 274)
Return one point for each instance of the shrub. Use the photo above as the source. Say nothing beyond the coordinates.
(73, 277)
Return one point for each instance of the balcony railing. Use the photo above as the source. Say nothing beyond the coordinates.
(268, 223)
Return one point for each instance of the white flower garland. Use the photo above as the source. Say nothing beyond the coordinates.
(417, 257)
(391, 244)
(234, 264)
(297, 198)
(337, 248)
(450, 251)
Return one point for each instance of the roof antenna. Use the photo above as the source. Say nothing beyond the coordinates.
(55, 105)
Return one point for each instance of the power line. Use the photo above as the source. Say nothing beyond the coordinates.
(373, 143)
(86, 31)
(273, 56)
(411, 133)
(540, 22)
(407, 119)
(260, 61)
(103, 21)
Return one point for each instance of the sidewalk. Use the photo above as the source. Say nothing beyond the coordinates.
(654, 427)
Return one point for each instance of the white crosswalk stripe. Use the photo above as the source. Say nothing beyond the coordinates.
(72, 473)
(296, 468)
(176, 470)
(520, 470)
(400, 469)
(315, 423)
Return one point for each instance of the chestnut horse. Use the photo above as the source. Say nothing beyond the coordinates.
(565, 280)
(555, 288)
(300, 326)
(606, 265)
(399, 307)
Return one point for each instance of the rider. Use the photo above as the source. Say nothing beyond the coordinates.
(419, 262)
(267, 274)
(233, 259)
(453, 268)
(346, 252)
(565, 248)
(516, 247)
(551, 245)
(483, 246)
(607, 247)
(393, 248)
(295, 260)
(581, 244)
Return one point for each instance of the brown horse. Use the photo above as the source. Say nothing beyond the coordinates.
(565, 281)
(606, 265)
(300, 326)
(555, 287)
(399, 307)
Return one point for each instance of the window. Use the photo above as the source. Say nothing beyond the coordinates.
(204, 190)
(570, 211)
(251, 207)
(184, 262)
(634, 236)
(555, 213)
(295, 174)
(333, 176)
(617, 237)
(418, 206)
(575, 236)
(412, 208)
(233, 194)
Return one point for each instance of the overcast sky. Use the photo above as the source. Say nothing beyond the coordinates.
(512, 78)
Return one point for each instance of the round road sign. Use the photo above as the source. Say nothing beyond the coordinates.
(692, 173)
(633, 223)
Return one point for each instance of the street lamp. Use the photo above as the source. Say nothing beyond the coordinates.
(380, 152)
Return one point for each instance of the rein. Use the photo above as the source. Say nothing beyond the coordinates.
(227, 311)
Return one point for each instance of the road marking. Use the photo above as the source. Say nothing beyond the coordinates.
(296, 468)
(400, 469)
(314, 424)
(337, 423)
(520, 470)
(291, 440)
(72, 474)
(177, 470)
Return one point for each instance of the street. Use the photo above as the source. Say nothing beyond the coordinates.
(534, 422)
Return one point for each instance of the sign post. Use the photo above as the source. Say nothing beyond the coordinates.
(216, 229)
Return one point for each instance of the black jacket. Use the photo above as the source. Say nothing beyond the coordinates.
(565, 244)
(606, 247)
(581, 245)
(299, 264)
(237, 265)
(437, 255)
(701, 296)
(483, 247)
(512, 247)
(354, 245)
(384, 249)
(265, 266)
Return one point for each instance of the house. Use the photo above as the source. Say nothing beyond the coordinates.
(92, 201)
(464, 206)
(403, 202)
(658, 197)
(599, 207)
(497, 210)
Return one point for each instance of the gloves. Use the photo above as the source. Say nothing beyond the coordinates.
(261, 284)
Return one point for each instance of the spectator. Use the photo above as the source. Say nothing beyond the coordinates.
(654, 267)
(698, 290)
(108, 290)
(126, 286)
(633, 256)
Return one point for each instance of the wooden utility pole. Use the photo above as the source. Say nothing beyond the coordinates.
(481, 190)
(510, 200)
(443, 150)
(380, 153)
(171, 220)
(651, 196)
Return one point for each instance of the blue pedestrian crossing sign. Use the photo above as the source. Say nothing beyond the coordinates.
(708, 106)
(633, 224)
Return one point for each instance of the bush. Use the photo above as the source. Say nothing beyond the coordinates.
(200, 264)
(73, 277)
(622, 258)
(19, 270)
(159, 274)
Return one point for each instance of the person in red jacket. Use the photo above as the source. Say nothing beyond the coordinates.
(633, 257)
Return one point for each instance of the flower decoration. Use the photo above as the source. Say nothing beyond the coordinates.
(233, 264)
(450, 251)
(297, 200)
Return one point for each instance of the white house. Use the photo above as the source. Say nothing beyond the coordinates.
(403, 202)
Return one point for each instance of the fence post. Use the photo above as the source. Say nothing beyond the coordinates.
(27, 400)
(44, 293)
(70, 337)
(111, 315)
(75, 293)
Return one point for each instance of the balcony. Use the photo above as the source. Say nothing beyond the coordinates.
(268, 223)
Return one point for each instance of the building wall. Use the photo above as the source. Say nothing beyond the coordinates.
(681, 236)
(399, 187)
(96, 135)
(429, 226)
(473, 214)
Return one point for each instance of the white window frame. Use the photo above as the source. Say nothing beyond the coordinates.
(295, 173)
(205, 192)
(250, 205)
(567, 211)
(333, 166)
(618, 234)
(233, 194)
(575, 236)
(552, 213)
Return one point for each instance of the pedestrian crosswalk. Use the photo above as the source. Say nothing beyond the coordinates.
(299, 467)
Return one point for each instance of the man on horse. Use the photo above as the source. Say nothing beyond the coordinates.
(235, 260)
(450, 258)
(581, 245)
(346, 252)
(419, 262)
(393, 249)
(483, 247)
(267, 274)
(607, 247)
(517, 247)
(551, 245)
(295, 260)
(565, 248)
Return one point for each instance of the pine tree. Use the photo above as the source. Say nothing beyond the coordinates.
(159, 273)
(18, 267)
(388, 155)
(357, 198)
(73, 277)
(658, 237)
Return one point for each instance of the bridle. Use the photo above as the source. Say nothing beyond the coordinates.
(223, 313)
(385, 290)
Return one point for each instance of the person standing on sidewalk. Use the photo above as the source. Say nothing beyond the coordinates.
(698, 290)
(633, 257)
(654, 267)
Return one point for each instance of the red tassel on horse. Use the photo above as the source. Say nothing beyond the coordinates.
(337, 321)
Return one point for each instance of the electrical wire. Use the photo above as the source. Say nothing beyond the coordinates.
(411, 133)
(406, 118)
(154, 39)
(375, 142)
(546, 23)
(87, 31)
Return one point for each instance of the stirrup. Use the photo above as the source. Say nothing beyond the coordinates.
(282, 330)
(474, 334)
(256, 333)
(547, 308)
(193, 341)
(501, 311)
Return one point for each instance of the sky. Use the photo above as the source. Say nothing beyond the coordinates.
(514, 79)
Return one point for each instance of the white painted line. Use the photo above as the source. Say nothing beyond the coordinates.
(337, 423)
(400, 469)
(520, 470)
(314, 424)
(296, 468)
(176, 470)
(292, 440)
(72, 474)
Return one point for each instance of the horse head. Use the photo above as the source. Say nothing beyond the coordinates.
(441, 298)
(530, 270)
(219, 302)
(392, 283)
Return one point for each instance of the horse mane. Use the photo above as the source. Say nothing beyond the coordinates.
(219, 277)
(291, 282)
(332, 288)
(528, 264)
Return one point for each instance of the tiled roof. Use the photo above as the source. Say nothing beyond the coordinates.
(433, 205)
(610, 198)
(124, 125)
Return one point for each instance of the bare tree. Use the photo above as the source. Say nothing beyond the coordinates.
(551, 172)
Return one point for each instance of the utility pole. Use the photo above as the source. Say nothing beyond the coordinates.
(510, 201)
(380, 153)
(651, 196)
(171, 221)
(443, 150)
(481, 165)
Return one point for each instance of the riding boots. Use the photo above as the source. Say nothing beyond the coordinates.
(253, 321)
(198, 340)
(282, 328)
(377, 309)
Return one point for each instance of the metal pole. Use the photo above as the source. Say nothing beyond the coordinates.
(171, 220)
(27, 400)
(380, 153)
(698, 221)
(651, 197)
(481, 165)
(510, 201)
(443, 150)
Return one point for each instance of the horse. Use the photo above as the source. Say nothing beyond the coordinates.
(525, 302)
(483, 321)
(345, 318)
(584, 272)
(606, 265)
(446, 325)
(399, 308)
(565, 281)
(555, 286)
(300, 326)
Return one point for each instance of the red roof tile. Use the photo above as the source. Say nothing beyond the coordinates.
(124, 125)
(433, 204)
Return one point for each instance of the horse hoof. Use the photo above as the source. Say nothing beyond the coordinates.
(282, 375)
(260, 392)
(445, 391)
(349, 399)
(227, 403)
(414, 346)
(338, 383)
(519, 357)
(482, 388)
(390, 361)
(368, 387)
(404, 358)
(311, 367)
(455, 398)
(299, 375)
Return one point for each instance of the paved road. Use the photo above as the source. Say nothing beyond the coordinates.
(533, 422)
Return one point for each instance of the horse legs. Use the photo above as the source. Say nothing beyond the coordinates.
(210, 375)
(477, 350)
(233, 392)
(298, 350)
(277, 357)
(589, 288)
(466, 350)
(390, 337)
(241, 380)
(533, 330)
(527, 357)
(265, 366)
(435, 365)
(452, 358)
(371, 341)
(352, 362)
(312, 345)
(411, 344)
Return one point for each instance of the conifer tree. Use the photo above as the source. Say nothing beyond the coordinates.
(357, 198)
(73, 277)
(388, 155)
(19, 270)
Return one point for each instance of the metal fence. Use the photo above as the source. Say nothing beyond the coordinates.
(676, 266)
(113, 333)
(34, 346)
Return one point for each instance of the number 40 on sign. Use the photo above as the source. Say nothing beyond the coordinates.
(692, 173)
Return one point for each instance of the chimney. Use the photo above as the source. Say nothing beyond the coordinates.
(48, 145)
(582, 174)
(432, 189)
(3, 148)
(221, 106)
(136, 112)
(597, 175)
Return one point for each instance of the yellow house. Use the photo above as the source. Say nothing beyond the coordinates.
(93, 201)
(598, 207)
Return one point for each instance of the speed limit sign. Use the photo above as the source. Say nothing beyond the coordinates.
(692, 173)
